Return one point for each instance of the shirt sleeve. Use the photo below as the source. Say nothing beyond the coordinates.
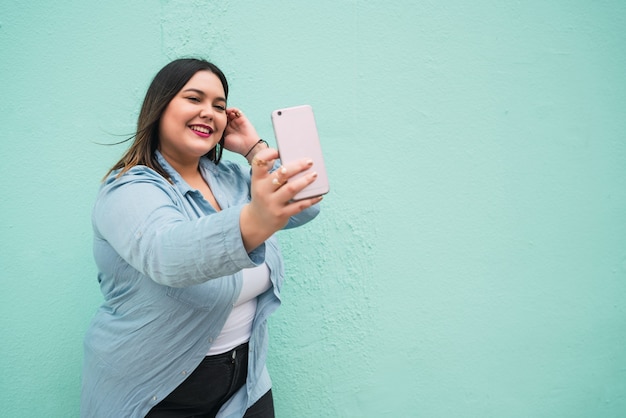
(303, 217)
(143, 219)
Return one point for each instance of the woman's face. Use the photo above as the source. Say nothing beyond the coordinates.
(194, 120)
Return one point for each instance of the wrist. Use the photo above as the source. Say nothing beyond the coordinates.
(254, 149)
(253, 228)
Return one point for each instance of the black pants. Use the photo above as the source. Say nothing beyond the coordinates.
(213, 382)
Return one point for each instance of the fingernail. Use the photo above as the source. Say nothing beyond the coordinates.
(309, 162)
(313, 175)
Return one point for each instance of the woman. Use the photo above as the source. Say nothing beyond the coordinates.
(188, 263)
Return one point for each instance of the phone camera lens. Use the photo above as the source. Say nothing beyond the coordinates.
(280, 113)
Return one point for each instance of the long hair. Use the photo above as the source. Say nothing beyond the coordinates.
(164, 87)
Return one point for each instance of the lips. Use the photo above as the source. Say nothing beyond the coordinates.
(202, 130)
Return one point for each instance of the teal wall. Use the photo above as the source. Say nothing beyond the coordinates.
(470, 260)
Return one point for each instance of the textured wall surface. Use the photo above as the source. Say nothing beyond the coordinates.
(470, 260)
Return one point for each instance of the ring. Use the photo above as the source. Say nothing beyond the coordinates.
(237, 113)
(277, 182)
(258, 162)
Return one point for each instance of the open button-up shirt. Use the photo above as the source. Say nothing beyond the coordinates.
(170, 271)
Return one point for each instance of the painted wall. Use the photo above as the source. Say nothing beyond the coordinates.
(471, 257)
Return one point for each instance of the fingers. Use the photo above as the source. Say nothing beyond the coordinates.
(271, 204)
(291, 188)
(286, 181)
(233, 113)
(287, 172)
(280, 176)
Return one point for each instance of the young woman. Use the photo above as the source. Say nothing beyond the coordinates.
(188, 262)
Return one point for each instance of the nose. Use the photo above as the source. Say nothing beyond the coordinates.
(207, 112)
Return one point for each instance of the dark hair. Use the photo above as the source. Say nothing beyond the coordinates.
(164, 87)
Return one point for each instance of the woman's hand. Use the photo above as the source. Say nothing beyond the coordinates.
(240, 136)
(271, 206)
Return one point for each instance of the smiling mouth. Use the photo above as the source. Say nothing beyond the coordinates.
(206, 130)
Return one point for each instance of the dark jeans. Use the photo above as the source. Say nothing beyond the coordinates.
(213, 382)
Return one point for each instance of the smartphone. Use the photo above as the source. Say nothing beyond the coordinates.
(296, 136)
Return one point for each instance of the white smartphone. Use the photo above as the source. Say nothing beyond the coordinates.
(297, 137)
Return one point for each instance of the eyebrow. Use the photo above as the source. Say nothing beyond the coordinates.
(202, 93)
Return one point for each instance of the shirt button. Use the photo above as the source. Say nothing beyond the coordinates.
(154, 398)
(210, 339)
(184, 373)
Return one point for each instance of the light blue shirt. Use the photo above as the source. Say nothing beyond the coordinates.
(170, 271)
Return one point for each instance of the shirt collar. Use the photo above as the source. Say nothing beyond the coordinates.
(174, 177)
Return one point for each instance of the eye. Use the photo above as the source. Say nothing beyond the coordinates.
(221, 108)
(193, 99)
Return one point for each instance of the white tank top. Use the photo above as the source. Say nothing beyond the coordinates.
(238, 325)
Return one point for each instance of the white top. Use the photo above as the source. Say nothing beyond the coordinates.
(238, 326)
